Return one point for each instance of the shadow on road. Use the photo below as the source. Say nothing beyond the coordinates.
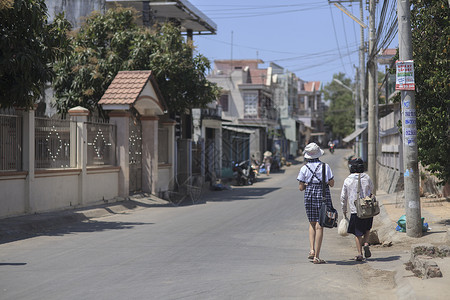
(352, 262)
(76, 227)
(239, 193)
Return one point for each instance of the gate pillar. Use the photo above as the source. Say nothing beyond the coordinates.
(149, 154)
(122, 121)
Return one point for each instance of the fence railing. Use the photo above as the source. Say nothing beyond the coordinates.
(100, 144)
(55, 143)
(10, 143)
(52, 138)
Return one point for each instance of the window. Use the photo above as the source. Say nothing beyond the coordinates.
(250, 105)
(224, 102)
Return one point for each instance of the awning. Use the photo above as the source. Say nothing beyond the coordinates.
(235, 129)
(354, 134)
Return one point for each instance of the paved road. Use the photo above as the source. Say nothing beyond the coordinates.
(247, 243)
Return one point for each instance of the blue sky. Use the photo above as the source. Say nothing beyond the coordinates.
(312, 38)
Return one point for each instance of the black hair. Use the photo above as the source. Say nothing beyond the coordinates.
(356, 165)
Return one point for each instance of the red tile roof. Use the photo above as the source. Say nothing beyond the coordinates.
(312, 86)
(126, 87)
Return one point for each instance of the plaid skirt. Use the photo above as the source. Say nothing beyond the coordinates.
(313, 200)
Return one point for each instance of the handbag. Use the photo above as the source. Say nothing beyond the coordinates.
(366, 207)
(343, 227)
(327, 215)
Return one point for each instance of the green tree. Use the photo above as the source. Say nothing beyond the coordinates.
(431, 45)
(28, 48)
(340, 117)
(109, 43)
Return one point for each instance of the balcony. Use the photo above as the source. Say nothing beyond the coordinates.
(263, 114)
(211, 113)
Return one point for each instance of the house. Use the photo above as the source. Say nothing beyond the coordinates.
(311, 112)
(247, 104)
(285, 94)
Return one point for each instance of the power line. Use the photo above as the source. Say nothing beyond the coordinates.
(271, 13)
(337, 42)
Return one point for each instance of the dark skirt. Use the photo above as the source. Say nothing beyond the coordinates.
(313, 200)
(358, 226)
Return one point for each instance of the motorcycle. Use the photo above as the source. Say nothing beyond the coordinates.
(243, 173)
(332, 148)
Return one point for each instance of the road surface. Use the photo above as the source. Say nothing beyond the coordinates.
(250, 242)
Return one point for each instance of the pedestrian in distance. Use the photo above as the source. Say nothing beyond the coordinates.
(310, 180)
(360, 228)
(267, 163)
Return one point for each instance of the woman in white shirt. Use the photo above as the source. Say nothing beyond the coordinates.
(359, 227)
(310, 180)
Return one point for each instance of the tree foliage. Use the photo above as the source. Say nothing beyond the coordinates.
(340, 117)
(109, 43)
(28, 48)
(431, 45)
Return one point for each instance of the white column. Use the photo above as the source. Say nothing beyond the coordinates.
(28, 156)
(122, 121)
(170, 125)
(79, 115)
(149, 154)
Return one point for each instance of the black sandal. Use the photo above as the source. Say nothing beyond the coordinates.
(367, 252)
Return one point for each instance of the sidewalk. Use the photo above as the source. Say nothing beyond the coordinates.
(437, 214)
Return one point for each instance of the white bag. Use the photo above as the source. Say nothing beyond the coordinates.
(343, 226)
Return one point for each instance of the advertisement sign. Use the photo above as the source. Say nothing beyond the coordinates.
(405, 75)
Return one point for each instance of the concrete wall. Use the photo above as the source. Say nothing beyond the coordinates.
(389, 180)
(12, 196)
(52, 190)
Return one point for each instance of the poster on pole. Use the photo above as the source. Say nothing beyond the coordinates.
(405, 75)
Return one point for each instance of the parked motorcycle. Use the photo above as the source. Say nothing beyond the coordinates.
(243, 173)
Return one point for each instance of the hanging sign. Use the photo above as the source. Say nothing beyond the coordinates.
(405, 75)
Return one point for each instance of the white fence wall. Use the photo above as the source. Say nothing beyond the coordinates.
(34, 190)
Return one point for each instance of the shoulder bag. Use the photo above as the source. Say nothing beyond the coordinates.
(366, 207)
(327, 215)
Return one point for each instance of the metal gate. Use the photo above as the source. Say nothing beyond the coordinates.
(135, 153)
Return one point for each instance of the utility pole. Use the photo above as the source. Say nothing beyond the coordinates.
(373, 88)
(362, 85)
(410, 162)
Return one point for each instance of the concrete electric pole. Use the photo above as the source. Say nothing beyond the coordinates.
(362, 86)
(373, 97)
(410, 162)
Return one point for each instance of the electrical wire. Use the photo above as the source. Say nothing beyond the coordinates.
(345, 37)
(337, 42)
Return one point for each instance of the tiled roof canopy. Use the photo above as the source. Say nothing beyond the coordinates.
(126, 87)
(129, 87)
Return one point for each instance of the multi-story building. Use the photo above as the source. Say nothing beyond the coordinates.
(310, 111)
(285, 95)
(247, 104)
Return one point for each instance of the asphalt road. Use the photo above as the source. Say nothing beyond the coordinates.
(250, 242)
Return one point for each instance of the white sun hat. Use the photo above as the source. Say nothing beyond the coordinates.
(312, 150)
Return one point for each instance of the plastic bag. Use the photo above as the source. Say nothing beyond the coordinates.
(343, 227)
(402, 224)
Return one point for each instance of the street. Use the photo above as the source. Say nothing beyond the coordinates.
(250, 242)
